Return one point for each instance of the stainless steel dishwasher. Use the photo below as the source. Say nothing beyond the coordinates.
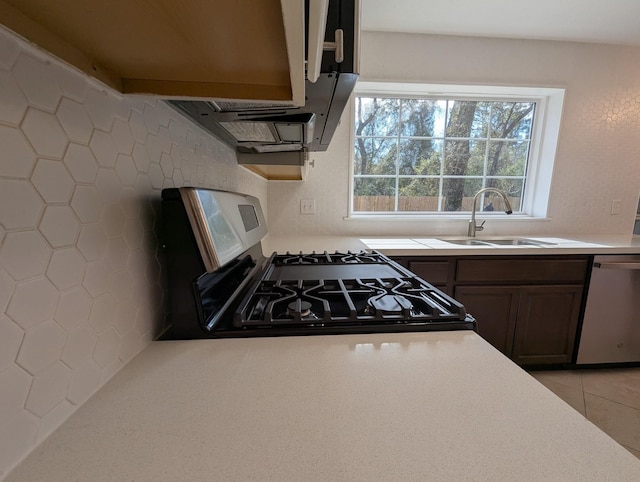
(611, 327)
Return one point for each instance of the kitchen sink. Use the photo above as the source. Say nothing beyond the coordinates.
(496, 242)
(518, 242)
(466, 242)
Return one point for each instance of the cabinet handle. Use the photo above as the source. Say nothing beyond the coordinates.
(338, 45)
(630, 265)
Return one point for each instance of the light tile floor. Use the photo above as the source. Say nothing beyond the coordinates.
(610, 398)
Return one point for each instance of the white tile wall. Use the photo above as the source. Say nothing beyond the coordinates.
(598, 151)
(81, 169)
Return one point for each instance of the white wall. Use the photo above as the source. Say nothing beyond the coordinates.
(598, 157)
(81, 169)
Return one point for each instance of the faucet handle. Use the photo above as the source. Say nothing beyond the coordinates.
(480, 226)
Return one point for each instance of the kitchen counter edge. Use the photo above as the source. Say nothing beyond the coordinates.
(431, 245)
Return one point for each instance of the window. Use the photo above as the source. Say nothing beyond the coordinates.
(430, 154)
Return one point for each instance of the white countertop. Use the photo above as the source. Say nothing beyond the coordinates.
(435, 246)
(421, 406)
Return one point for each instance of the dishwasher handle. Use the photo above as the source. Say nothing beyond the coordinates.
(617, 265)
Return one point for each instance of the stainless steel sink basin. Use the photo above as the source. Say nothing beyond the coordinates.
(466, 242)
(501, 242)
(518, 242)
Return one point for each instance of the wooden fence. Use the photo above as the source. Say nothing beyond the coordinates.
(417, 203)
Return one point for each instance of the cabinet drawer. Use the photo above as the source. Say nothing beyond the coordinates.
(522, 270)
(434, 272)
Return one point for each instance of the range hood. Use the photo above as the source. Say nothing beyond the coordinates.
(280, 132)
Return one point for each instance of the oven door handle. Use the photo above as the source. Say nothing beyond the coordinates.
(249, 278)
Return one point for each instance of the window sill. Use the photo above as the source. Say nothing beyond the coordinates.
(499, 217)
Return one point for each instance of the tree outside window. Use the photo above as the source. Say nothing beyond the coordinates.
(433, 155)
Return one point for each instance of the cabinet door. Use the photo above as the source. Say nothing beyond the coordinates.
(495, 309)
(546, 324)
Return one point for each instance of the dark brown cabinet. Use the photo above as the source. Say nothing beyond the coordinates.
(530, 324)
(495, 309)
(546, 324)
(528, 307)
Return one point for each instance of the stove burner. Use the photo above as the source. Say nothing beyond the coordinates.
(387, 304)
(299, 307)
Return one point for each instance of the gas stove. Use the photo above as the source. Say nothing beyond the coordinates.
(357, 292)
(292, 294)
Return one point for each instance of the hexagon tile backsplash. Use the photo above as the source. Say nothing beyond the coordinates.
(81, 169)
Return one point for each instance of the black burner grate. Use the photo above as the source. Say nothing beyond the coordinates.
(328, 258)
(348, 301)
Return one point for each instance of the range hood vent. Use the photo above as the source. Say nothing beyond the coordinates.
(247, 105)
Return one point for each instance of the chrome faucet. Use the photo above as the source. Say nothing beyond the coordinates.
(473, 227)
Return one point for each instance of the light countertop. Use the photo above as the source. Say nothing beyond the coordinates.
(436, 246)
(419, 406)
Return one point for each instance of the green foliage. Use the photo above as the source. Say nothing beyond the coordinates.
(419, 141)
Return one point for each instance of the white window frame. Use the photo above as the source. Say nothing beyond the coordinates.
(544, 140)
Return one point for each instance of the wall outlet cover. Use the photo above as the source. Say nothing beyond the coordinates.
(615, 206)
(307, 206)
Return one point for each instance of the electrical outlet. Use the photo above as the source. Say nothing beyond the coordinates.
(307, 206)
(615, 206)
